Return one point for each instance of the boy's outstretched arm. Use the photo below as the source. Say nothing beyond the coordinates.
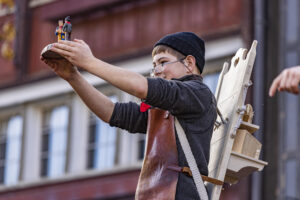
(100, 104)
(79, 54)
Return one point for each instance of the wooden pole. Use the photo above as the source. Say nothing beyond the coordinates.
(21, 47)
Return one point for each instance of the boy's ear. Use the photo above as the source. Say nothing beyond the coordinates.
(190, 62)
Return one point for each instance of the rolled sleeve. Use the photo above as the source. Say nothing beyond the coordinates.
(128, 116)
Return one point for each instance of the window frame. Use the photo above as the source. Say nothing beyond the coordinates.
(49, 104)
(6, 114)
(107, 90)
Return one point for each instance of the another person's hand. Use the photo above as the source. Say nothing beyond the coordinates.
(61, 67)
(288, 80)
(77, 52)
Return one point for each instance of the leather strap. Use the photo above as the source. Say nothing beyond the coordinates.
(188, 171)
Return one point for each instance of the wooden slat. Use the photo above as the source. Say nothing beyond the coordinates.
(249, 127)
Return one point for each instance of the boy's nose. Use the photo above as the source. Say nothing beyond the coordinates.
(157, 70)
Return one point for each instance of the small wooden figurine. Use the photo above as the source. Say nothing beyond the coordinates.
(67, 28)
(63, 32)
(61, 35)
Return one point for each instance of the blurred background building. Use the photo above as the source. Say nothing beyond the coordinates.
(52, 147)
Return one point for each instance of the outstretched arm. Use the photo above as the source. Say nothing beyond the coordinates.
(100, 104)
(79, 54)
(288, 80)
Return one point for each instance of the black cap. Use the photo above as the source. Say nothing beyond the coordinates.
(187, 43)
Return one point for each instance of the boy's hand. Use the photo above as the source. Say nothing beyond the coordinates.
(77, 52)
(288, 80)
(61, 67)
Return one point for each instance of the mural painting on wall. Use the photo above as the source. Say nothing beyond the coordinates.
(6, 4)
(7, 36)
(7, 32)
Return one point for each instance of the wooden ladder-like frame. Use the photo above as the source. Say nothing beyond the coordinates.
(226, 165)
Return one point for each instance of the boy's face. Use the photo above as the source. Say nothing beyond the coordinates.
(167, 66)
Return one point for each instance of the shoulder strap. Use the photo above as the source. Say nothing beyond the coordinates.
(191, 161)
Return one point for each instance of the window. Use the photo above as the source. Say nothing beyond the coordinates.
(211, 80)
(10, 149)
(141, 146)
(212, 71)
(102, 143)
(140, 139)
(54, 141)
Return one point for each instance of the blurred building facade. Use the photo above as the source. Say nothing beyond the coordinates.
(53, 147)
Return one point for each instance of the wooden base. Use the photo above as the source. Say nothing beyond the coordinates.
(240, 166)
(246, 144)
(48, 54)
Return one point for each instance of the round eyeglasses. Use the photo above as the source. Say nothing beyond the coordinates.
(160, 67)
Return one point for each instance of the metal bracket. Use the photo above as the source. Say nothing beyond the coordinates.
(223, 121)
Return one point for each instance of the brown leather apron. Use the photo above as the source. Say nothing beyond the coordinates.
(156, 181)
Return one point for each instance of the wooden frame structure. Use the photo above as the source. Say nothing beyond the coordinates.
(225, 164)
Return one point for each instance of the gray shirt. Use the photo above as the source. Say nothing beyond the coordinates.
(194, 105)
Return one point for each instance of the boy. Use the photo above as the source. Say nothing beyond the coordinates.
(176, 90)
